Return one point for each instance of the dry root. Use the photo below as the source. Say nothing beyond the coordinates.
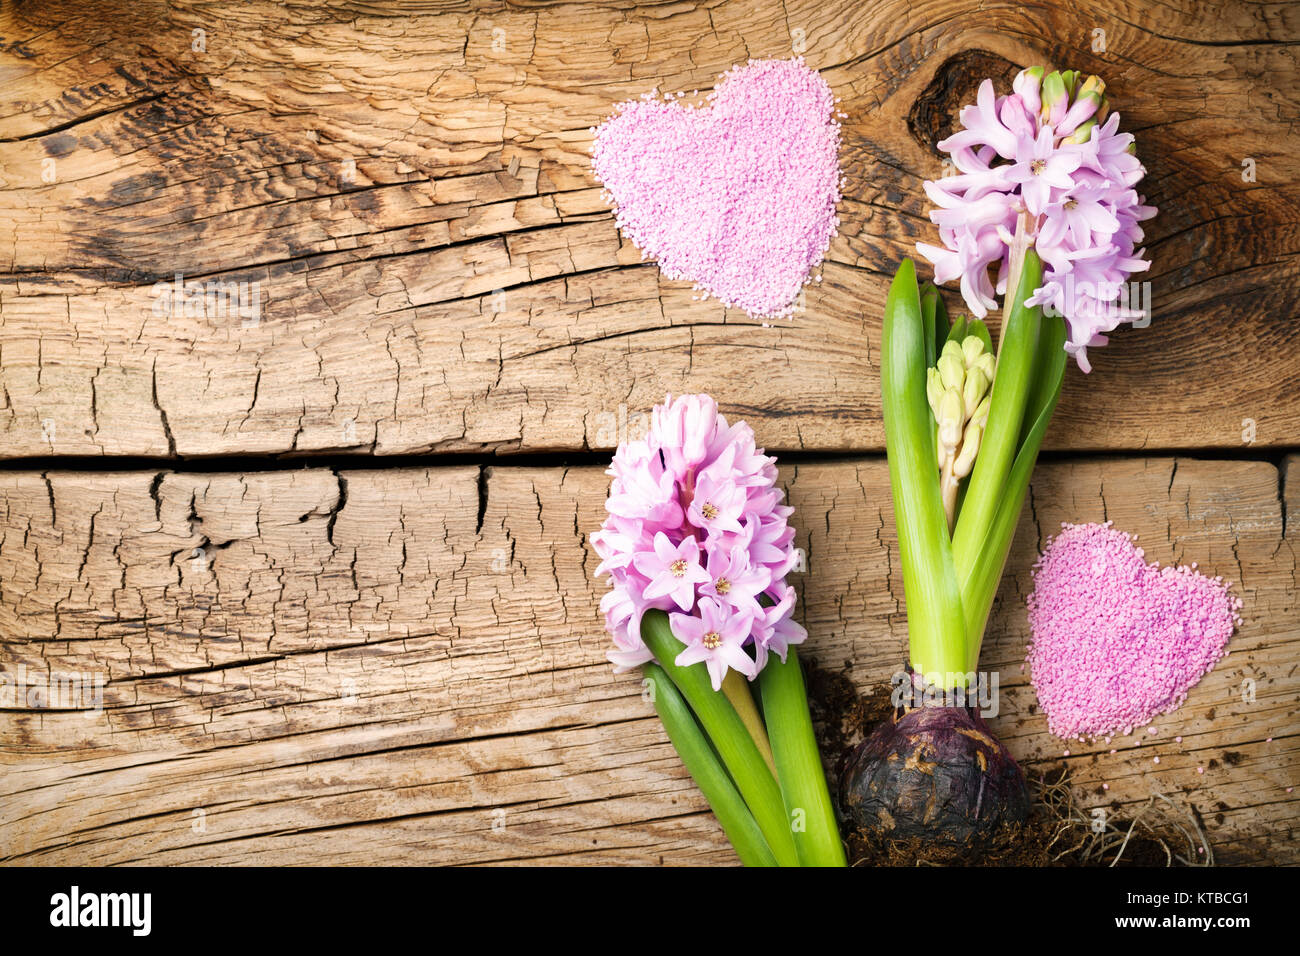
(1082, 837)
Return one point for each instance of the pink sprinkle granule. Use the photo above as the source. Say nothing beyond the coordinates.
(1117, 641)
(738, 195)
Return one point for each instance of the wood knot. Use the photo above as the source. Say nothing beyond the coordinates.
(933, 116)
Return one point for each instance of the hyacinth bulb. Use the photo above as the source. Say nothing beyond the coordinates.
(1047, 163)
(696, 527)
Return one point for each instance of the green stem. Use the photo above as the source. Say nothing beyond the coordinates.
(935, 622)
(709, 775)
(737, 690)
(727, 731)
(1017, 351)
(799, 765)
(979, 582)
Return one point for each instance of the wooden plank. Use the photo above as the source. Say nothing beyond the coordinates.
(417, 295)
(391, 666)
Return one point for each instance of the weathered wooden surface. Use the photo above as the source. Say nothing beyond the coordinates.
(405, 664)
(363, 671)
(416, 295)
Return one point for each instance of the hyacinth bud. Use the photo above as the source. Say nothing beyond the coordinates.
(972, 347)
(952, 416)
(1027, 86)
(1082, 133)
(1056, 99)
(987, 363)
(970, 446)
(973, 391)
(1093, 84)
(933, 390)
(952, 366)
(981, 414)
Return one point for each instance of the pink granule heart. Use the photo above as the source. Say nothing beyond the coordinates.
(1117, 641)
(737, 195)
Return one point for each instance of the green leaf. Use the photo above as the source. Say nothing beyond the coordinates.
(941, 326)
(739, 753)
(977, 328)
(979, 581)
(936, 624)
(1049, 373)
(957, 332)
(1017, 353)
(929, 307)
(706, 770)
(798, 764)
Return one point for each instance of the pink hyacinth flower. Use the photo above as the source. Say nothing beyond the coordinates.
(696, 527)
(1057, 167)
(717, 637)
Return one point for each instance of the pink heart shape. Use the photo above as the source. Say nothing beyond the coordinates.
(737, 195)
(1117, 641)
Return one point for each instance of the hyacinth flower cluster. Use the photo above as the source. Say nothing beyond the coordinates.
(697, 546)
(1044, 200)
(1047, 167)
(696, 528)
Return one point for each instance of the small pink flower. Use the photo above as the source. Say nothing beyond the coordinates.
(684, 429)
(1040, 167)
(768, 541)
(776, 630)
(717, 506)
(646, 490)
(717, 638)
(734, 582)
(673, 570)
(982, 126)
(1080, 218)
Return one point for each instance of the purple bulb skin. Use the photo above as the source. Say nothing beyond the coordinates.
(938, 775)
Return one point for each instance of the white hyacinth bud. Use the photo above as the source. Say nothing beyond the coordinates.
(952, 368)
(933, 390)
(974, 390)
(970, 446)
(952, 418)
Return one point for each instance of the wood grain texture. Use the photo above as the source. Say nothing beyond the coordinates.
(417, 295)
(382, 665)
